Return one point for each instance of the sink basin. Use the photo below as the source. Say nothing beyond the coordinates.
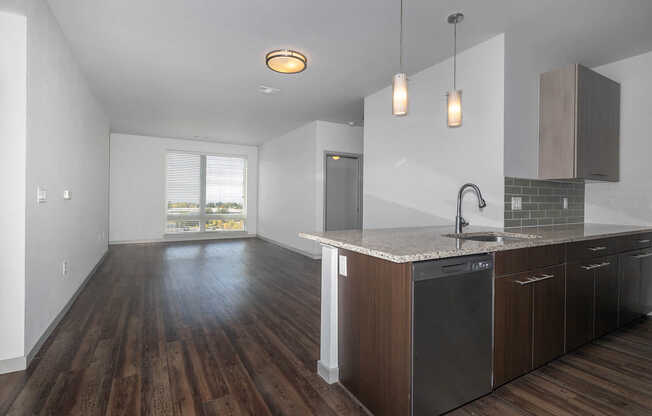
(491, 237)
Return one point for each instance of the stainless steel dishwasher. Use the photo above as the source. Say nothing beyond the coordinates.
(451, 332)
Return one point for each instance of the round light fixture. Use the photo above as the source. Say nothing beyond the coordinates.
(286, 61)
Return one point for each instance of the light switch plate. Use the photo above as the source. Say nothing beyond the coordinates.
(67, 194)
(564, 203)
(517, 203)
(342, 266)
(41, 194)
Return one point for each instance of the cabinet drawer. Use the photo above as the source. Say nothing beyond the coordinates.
(590, 249)
(525, 259)
(635, 242)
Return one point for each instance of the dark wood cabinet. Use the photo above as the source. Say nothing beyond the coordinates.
(548, 295)
(592, 290)
(580, 304)
(606, 296)
(374, 332)
(512, 328)
(636, 285)
(579, 125)
(528, 321)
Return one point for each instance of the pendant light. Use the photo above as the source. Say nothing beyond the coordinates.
(455, 96)
(399, 82)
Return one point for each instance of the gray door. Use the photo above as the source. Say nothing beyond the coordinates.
(342, 196)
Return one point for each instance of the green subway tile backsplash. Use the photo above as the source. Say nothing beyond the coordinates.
(542, 202)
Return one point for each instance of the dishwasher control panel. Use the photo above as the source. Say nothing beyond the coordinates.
(481, 265)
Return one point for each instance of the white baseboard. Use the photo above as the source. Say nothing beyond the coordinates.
(53, 325)
(288, 247)
(331, 375)
(11, 365)
(176, 238)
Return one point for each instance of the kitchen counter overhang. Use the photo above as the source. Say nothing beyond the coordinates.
(404, 245)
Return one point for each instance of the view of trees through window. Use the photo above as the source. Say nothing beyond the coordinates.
(205, 193)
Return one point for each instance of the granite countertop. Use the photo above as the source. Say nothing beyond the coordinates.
(403, 245)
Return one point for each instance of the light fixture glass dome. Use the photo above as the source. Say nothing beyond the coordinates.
(286, 61)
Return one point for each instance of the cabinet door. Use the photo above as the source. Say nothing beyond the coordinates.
(580, 298)
(374, 332)
(548, 315)
(630, 288)
(512, 328)
(606, 296)
(646, 281)
(598, 125)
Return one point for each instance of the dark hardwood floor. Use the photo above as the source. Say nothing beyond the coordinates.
(232, 327)
(213, 328)
(611, 376)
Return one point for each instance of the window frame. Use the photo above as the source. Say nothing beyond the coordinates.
(202, 217)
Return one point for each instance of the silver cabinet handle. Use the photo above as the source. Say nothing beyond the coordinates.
(643, 241)
(640, 256)
(535, 279)
(596, 266)
(545, 277)
(599, 248)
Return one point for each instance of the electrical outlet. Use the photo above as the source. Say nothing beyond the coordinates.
(342, 266)
(517, 203)
(564, 203)
(65, 268)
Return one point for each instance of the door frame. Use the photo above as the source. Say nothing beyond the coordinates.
(358, 156)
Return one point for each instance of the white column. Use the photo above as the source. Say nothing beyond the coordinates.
(327, 365)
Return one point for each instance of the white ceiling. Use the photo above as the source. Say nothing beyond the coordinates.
(191, 68)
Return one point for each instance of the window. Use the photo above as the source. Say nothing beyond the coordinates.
(205, 193)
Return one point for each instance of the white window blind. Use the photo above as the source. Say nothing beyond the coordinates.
(205, 193)
(184, 183)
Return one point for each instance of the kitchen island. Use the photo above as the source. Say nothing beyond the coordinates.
(554, 289)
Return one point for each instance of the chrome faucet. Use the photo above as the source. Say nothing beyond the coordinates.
(460, 222)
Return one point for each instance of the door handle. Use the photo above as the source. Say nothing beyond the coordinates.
(598, 248)
(641, 256)
(534, 279)
(596, 266)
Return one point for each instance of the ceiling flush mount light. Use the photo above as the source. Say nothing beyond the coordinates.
(455, 96)
(286, 61)
(399, 82)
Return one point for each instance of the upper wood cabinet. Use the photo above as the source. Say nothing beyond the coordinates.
(579, 125)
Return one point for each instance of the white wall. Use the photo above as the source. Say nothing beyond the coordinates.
(628, 201)
(524, 62)
(291, 188)
(13, 114)
(138, 175)
(287, 188)
(67, 148)
(414, 165)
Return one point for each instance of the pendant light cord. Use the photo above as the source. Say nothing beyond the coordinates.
(400, 48)
(454, 55)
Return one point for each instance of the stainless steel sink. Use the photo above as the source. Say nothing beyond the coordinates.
(492, 237)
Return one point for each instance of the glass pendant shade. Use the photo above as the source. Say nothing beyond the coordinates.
(399, 95)
(455, 108)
